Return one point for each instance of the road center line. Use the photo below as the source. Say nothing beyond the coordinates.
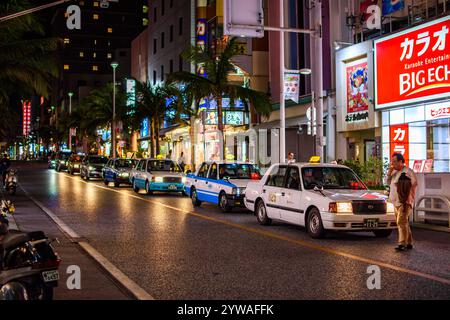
(280, 237)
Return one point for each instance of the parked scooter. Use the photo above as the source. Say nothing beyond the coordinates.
(28, 263)
(11, 182)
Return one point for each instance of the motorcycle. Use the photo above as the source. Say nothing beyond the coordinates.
(11, 182)
(28, 263)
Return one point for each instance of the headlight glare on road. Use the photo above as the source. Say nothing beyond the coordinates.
(390, 207)
(341, 207)
(159, 179)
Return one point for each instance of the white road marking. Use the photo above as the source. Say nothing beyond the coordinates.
(118, 275)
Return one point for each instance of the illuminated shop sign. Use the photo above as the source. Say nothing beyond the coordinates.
(413, 65)
(399, 140)
(437, 111)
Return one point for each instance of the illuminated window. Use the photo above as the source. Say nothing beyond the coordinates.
(145, 22)
(66, 40)
(94, 68)
(95, 42)
(81, 54)
(66, 14)
(81, 3)
(145, 9)
(109, 55)
(95, 3)
(66, 67)
(94, 55)
(110, 30)
(95, 16)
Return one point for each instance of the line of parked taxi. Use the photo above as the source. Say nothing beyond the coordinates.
(319, 197)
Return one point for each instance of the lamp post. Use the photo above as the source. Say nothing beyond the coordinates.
(70, 94)
(114, 65)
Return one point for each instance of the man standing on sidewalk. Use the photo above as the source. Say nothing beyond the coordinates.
(402, 211)
(4, 166)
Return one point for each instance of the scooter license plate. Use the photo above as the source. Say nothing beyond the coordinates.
(50, 276)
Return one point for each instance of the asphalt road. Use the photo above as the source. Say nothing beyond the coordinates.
(174, 251)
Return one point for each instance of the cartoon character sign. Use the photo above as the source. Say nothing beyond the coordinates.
(357, 88)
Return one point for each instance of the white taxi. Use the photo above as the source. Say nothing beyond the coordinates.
(221, 183)
(320, 197)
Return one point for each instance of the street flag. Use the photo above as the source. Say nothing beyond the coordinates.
(292, 86)
(391, 6)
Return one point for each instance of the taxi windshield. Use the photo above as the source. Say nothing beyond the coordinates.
(124, 163)
(163, 165)
(331, 178)
(238, 171)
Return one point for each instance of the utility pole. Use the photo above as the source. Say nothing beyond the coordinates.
(114, 65)
(317, 73)
(282, 98)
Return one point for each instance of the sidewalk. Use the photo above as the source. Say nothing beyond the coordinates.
(95, 282)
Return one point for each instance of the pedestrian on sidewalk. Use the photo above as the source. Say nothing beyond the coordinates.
(403, 185)
(182, 161)
(291, 158)
(5, 163)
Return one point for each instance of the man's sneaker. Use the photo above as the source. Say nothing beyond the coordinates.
(400, 247)
(409, 246)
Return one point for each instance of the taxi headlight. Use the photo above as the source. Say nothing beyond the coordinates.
(341, 207)
(125, 174)
(183, 180)
(91, 168)
(159, 179)
(390, 207)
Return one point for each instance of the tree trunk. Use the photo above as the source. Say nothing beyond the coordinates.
(192, 137)
(220, 124)
(157, 127)
(152, 138)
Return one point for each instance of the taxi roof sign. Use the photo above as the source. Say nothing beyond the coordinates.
(314, 159)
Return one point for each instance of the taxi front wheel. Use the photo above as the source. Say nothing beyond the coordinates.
(223, 203)
(314, 224)
(261, 214)
(194, 198)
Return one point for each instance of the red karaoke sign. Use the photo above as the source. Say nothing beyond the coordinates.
(399, 140)
(413, 65)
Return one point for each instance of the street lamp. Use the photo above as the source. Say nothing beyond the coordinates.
(114, 65)
(70, 94)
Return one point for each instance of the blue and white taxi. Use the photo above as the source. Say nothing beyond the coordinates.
(221, 183)
(162, 175)
(320, 197)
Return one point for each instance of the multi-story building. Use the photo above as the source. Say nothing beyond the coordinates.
(107, 29)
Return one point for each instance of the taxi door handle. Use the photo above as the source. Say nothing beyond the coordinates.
(283, 194)
(206, 182)
(264, 190)
(195, 180)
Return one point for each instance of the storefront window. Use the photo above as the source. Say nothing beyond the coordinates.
(427, 141)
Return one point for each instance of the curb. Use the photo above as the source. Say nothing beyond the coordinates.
(122, 280)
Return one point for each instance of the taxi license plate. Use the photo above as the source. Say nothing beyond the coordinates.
(172, 187)
(371, 223)
(50, 276)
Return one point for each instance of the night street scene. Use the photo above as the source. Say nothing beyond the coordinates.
(230, 158)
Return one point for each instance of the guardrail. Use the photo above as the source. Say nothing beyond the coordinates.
(433, 208)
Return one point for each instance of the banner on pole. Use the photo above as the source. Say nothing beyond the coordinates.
(292, 86)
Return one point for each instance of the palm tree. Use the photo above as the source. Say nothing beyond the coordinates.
(95, 111)
(155, 103)
(216, 84)
(26, 63)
